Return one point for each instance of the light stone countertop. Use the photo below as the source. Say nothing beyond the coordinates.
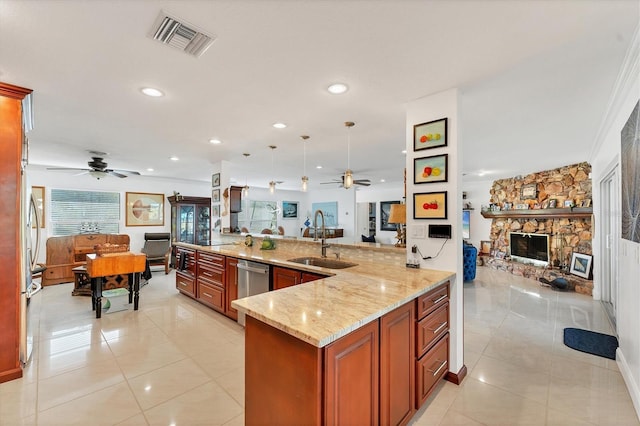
(320, 312)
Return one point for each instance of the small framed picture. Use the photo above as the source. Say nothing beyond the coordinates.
(289, 210)
(430, 205)
(432, 134)
(485, 247)
(493, 252)
(430, 169)
(586, 202)
(553, 203)
(215, 180)
(215, 195)
(529, 192)
(215, 210)
(580, 265)
(500, 254)
(568, 203)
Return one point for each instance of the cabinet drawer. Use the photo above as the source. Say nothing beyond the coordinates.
(431, 328)
(211, 274)
(55, 272)
(429, 301)
(431, 368)
(211, 295)
(211, 259)
(185, 284)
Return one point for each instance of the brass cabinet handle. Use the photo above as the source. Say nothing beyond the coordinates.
(207, 294)
(437, 330)
(439, 299)
(435, 373)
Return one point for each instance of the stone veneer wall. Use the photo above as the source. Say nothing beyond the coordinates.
(566, 234)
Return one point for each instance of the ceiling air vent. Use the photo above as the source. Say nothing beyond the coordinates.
(181, 35)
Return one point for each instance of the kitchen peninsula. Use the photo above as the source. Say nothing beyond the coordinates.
(365, 344)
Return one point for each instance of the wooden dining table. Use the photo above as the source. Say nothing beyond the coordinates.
(110, 264)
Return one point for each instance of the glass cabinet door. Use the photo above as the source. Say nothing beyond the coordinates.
(203, 234)
(186, 223)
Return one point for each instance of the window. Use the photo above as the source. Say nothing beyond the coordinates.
(258, 215)
(84, 212)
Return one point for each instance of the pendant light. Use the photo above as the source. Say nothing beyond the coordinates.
(305, 179)
(272, 184)
(245, 189)
(348, 175)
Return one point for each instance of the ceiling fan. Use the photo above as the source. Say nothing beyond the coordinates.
(98, 168)
(363, 182)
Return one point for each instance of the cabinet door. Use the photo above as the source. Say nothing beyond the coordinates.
(397, 365)
(211, 295)
(203, 225)
(232, 286)
(283, 277)
(351, 378)
(305, 277)
(186, 223)
(235, 199)
(186, 284)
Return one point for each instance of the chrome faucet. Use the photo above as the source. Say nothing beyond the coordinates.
(323, 243)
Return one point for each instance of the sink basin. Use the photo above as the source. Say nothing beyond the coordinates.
(323, 262)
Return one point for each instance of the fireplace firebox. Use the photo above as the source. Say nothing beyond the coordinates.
(529, 248)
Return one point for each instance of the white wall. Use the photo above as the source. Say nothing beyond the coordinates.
(607, 150)
(434, 107)
(39, 176)
(478, 195)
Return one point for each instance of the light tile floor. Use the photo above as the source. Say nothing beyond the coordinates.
(175, 362)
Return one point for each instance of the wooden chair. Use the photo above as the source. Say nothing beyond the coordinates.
(280, 230)
(266, 231)
(244, 230)
(306, 232)
(157, 247)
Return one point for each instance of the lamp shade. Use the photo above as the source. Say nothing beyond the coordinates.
(398, 213)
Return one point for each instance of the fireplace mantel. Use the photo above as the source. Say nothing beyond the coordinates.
(575, 212)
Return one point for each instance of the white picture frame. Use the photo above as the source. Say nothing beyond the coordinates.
(581, 265)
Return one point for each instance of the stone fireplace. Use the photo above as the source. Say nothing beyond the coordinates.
(569, 228)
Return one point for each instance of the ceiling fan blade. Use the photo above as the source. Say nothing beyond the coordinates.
(114, 173)
(124, 172)
(68, 169)
(363, 180)
(362, 183)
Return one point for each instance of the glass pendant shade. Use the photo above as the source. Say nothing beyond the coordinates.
(245, 188)
(305, 181)
(272, 184)
(348, 179)
(272, 187)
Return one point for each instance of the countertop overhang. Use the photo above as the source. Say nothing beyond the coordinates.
(320, 312)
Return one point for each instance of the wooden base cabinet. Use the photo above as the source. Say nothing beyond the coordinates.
(231, 272)
(186, 271)
(397, 366)
(366, 377)
(210, 279)
(285, 277)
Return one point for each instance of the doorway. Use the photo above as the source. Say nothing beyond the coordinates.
(366, 219)
(609, 230)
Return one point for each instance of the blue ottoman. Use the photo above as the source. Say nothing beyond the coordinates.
(469, 258)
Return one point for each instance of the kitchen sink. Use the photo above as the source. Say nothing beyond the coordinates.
(323, 262)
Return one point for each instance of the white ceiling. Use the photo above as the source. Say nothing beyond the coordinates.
(534, 76)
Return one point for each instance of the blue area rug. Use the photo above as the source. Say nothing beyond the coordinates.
(591, 342)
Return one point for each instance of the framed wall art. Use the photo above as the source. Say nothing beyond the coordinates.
(215, 180)
(580, 265)
(215, 210)
(529, 192)
(215, 196)
(289, 210)
(329, 210)
(144, 209)
(385, 211)
(432, 134)
(430, 205)
(37, 192)
(430, 169)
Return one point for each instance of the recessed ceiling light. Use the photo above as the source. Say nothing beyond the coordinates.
(149, 169)
(279, 125)
(404, 151)
(382, 180)
(173, 158)
(150, 91)
(215, 141)
(318, 167)
(337, 88)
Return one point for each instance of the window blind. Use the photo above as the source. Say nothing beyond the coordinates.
(82, 212)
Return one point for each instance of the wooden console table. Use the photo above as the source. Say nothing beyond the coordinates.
(99, 267)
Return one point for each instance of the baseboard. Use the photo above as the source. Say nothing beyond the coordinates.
(12, 374)
(456, 378)
(627, 376)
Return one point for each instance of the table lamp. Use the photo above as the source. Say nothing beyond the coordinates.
(398, 215)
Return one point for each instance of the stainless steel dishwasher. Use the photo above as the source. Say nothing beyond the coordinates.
(253, 278)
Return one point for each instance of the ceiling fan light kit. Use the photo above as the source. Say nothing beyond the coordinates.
(272, 184)
(245, 188)
(305, 179)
